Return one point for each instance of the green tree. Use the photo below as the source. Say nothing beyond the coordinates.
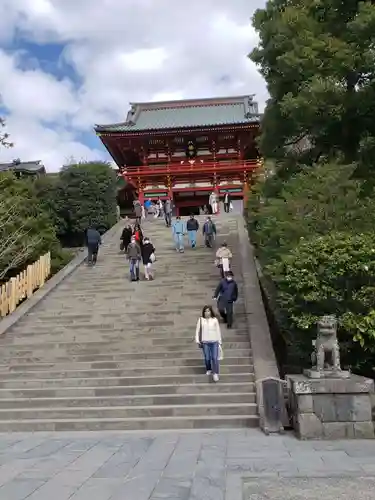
(313, 202)
(84, 195)
(4, 136)
(26, 231)
(318, 61)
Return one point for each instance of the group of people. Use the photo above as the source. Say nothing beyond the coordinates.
(180, 229)
(157, 209)
(138, 248)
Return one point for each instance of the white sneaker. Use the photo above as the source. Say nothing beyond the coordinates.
(208, 372)
(215, 377)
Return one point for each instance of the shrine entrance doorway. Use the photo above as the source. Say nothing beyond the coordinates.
(190, 202)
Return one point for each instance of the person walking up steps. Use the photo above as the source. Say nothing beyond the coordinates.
(93, 240)
(168, 212)
(192, 227)
(226, 294)
(126, 235)
(134, 257)
(208, 338)
(223, 257)
(209, 232)
(178, 234)
(148, 257)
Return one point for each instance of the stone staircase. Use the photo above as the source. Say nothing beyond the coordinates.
(102, 353)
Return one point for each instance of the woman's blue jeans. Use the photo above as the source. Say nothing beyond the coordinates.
(211, 354)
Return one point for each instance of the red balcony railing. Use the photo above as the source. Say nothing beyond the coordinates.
(186, 167)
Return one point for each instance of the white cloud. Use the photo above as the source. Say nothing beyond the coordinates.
(120, 51)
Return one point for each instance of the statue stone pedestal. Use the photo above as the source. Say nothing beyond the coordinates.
(331, 407)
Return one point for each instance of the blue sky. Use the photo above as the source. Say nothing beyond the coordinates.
(69, 64)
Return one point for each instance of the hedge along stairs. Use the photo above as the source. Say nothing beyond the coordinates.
(100, 352)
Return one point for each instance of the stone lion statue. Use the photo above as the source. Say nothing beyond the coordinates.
(326, 342)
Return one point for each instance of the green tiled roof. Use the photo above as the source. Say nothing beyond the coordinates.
(186, 114)
(23, 166)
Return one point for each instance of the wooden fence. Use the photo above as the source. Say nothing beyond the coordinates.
(24, 285)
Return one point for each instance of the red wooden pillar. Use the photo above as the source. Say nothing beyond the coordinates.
(217, 192)
(141, 196)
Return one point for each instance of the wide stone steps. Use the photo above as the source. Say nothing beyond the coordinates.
(102, 353)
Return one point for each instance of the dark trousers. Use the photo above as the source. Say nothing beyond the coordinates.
(168, 219)
(226, 311)
(211, 354)
(209, 240)
(226, 207)
(92, 253)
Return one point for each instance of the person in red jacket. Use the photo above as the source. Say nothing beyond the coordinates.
(138, 235)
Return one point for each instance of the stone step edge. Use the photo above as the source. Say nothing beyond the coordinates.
(10, 380)
(112, 387)
(130, 397)
(26, 373)
(135, 407)
(75, 357)
(129, 419)
(6, 367)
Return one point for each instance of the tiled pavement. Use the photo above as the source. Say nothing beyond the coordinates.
(234, 465)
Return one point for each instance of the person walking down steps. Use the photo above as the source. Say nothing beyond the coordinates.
(226, 294)
(148, 258)
(209, 232)
(179, 231)
(192, 227)
(134, 257)
(208, 338)
(93, 241)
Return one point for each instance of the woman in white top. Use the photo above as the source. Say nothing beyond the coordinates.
(208, 337)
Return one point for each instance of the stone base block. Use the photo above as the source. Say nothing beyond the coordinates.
(331, 408)
(326, 374)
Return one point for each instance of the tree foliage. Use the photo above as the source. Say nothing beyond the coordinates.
(314, 202)
(318, 60)
(26, 231)
(4, 136)
(83, 194)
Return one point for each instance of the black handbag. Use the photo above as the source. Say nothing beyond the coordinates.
(200, 335)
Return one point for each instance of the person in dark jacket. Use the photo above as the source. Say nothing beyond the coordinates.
(126, 236)
(134, 256)
(148, 258)
(226, 294)
(93, 240)
(209, 232)
(192, 227)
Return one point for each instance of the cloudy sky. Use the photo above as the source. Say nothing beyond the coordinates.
(66, 65)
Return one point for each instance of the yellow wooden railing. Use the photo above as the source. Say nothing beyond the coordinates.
(24, 285)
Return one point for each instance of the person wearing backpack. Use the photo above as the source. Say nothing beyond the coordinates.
(192, 227)
(208, 338)
(209, 232)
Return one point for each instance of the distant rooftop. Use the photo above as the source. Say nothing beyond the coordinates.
(187, 113)
(31, 167)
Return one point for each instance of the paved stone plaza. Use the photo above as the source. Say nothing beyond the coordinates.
(233, 465)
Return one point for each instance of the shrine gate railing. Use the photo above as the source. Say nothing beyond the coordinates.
(191, 168)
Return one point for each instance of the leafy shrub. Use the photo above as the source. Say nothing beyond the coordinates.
(331, 274)
(316, 200)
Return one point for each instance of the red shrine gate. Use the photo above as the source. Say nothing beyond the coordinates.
(186, 149)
